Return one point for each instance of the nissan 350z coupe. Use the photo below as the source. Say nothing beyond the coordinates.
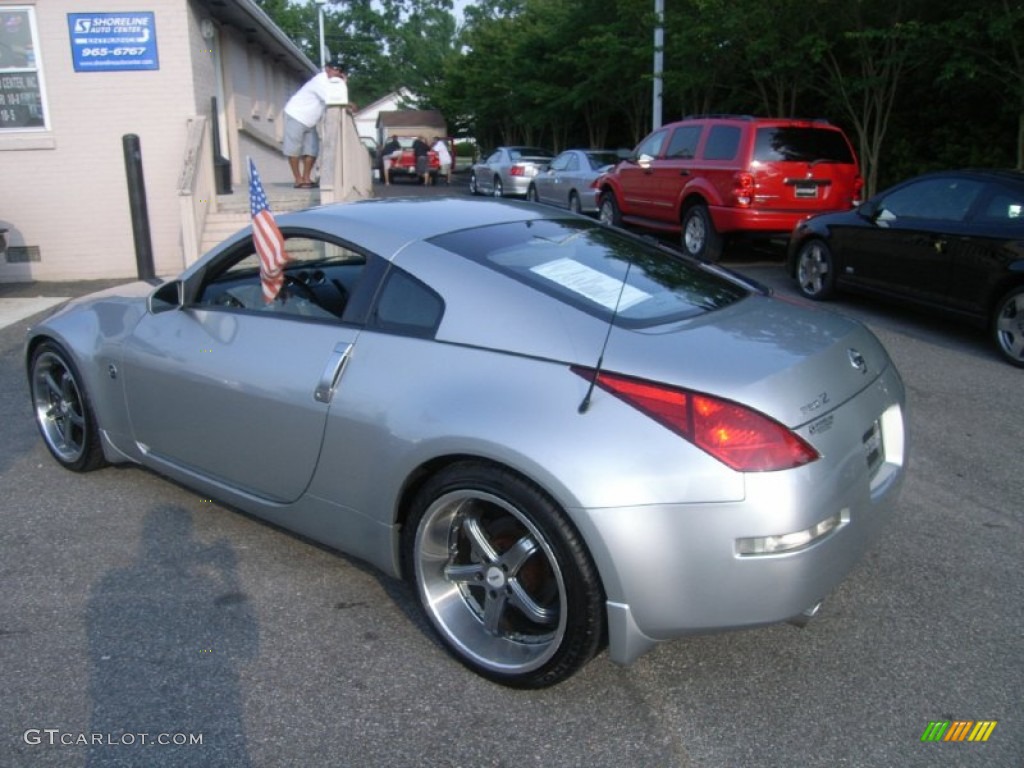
(563, 436)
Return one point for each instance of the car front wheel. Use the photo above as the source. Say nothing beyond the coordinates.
(815, 270)
(1008, 325)
(609, 213)
(502, 576)
(63, 412)
(700, 238)
(497, 189)
(531, 194)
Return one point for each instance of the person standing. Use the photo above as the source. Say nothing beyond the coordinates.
(302, 114)
(444, 157)
(421, 150)
(389, 154)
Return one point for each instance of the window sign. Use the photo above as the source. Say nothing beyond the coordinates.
(111, 42)
(21, 89)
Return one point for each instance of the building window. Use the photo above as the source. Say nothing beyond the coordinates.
(22, 102)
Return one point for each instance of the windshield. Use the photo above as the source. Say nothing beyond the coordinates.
(596, 269)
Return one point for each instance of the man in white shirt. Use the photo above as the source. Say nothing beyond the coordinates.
(302, 113)
(444, 157)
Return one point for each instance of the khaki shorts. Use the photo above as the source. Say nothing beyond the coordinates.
(299, 140)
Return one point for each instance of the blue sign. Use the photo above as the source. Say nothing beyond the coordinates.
(111, 42)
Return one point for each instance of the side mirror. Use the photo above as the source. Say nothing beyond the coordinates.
(644, 161)
(167, 297)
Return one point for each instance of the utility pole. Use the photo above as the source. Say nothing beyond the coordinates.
(659, 60)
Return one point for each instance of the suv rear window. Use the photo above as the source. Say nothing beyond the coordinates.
(801, 144)
(596, 270)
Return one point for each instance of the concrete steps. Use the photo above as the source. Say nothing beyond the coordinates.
(233, 210)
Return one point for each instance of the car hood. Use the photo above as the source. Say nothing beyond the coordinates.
(789, 361)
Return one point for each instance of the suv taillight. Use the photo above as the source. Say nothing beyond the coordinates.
(739, 437)
(744, 189)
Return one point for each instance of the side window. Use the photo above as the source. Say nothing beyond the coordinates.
(937, 199)
(651, 146)
(319, 278)
(1004, 208)
(560, 163)
(723, 143)
(684, 142)
(407, 306)
(22, 96)
(494, 158)
(573, 164)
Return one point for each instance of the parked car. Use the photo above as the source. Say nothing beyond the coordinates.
(719, 176)
(568, 181)
(561, 434)
(507, 171)
(951, 241)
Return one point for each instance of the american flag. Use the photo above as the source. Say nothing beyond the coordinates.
(267, 237)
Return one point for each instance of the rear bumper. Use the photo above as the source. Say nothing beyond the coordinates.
(677, 569)
(766, 222)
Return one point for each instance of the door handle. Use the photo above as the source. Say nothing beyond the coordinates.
(684, 172)
(332, 373)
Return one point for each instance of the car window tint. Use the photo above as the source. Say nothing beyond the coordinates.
(596, 269)
(941, 199)
(804, 144)
(684, 142)
(320, 276)
(561, 162)
(406, 306)
(723, 142)
(600, 160)
(1004, 207)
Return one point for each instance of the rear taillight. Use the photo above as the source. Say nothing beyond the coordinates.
(739, 437)
(517, 170)
(743, 190)
(858, 190)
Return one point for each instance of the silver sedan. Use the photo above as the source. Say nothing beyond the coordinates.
(566, 181)
(507, 171)
(562, 435)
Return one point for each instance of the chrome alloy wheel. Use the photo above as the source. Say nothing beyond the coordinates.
(490, 582)
(812, 269)
(59, 407)
(1009, 327)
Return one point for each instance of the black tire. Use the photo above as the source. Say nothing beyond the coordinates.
(497, 189)
(1008, 326)
(574, 203)
(815, 269)
(502, 576)
(608, 212)
(63, 410)
(699, 238)
(474, 188)
(531, 194)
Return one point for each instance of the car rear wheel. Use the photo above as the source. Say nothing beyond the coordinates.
(700, 238)
(502, 576)
(63, 413)
(815, 271)
(497, 190)
(531, 194)
(1008, 325)
(474, 189)
(574, 203)
(609, 212)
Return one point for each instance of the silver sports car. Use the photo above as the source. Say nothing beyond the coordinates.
(562, 435)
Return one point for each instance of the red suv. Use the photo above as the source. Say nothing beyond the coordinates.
(713, 176)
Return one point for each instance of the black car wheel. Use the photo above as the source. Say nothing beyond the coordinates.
(700, 239)
(63, 413)
(502, 576)
(608, 212)
(1008, 325)
(497, 189)
(815, 270)
(474, 189)
(531, 194)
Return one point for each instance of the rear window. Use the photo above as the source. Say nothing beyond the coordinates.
(596, 270)
(600, 160)
(801, 144)
(518, 153)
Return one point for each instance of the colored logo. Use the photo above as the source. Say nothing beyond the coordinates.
(959, 730)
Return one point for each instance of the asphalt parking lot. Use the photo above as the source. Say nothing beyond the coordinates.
(136, 617)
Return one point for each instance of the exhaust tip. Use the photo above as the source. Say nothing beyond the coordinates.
(801, 620)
